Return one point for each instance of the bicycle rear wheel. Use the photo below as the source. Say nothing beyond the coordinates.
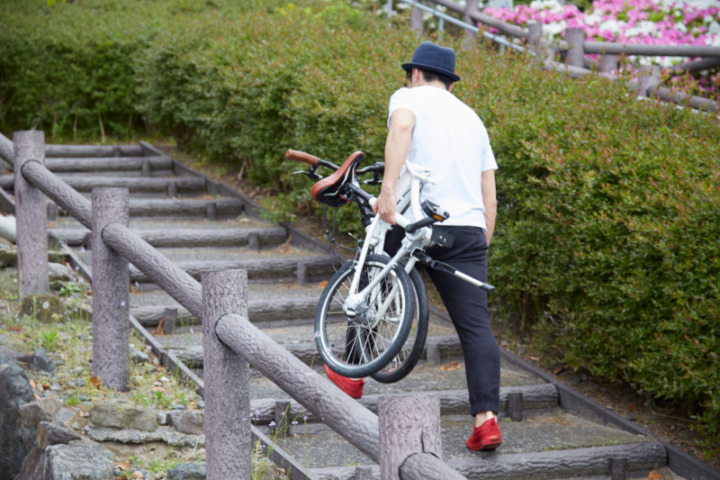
(406, 359)
(360, 344)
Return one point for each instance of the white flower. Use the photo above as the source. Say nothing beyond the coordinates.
(714, 28)
(552, 29)
(593, 19)
(680, 27)
(611, 25)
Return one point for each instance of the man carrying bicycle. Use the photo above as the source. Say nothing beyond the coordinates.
(431, 128)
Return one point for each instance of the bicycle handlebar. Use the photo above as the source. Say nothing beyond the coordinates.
(299, 156)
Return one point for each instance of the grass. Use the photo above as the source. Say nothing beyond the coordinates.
(68, 342)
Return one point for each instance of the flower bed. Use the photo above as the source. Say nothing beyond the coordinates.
(651, 22)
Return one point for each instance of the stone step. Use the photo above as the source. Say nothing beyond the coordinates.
(257, 238)
(167, 186)
(93, 151)
(309, 268)
(108, 164)
(555, 445)
(537, 399)
(204, 234)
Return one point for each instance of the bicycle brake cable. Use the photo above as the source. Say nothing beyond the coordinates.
(337, 259)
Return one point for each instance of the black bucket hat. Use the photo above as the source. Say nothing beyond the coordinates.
(434, 58)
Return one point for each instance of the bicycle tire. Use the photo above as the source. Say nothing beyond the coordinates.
(408, 356)
(360, 345)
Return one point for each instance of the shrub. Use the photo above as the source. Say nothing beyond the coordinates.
(69, 68)
(606, 244)
(605, 247)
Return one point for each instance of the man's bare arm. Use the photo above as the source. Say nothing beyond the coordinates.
(397, 145)
(490, 201)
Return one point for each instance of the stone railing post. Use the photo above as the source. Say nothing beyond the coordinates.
(575, 38)
(111, 291)
(227, 401)
(31, 216)
(416, 20)
(608, 63)
(409, 425)
(471, 7)
(649, 80)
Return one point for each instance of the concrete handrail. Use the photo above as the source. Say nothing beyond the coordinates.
(317, 394)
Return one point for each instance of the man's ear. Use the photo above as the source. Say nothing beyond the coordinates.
(451, 85)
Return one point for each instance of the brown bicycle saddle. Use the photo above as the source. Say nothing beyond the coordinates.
(327, 190)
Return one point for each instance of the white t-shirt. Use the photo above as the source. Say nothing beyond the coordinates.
(449, 139)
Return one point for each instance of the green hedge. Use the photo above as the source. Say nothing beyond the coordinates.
(606, 246)
(69, 68)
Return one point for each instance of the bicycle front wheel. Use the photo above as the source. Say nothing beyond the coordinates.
(359, 343)
(409, 354)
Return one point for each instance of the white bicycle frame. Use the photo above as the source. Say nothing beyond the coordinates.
(409, 187)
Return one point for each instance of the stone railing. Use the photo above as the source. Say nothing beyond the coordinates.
(404, 439)
(574, 48)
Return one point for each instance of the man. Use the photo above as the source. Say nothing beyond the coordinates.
(431, 128)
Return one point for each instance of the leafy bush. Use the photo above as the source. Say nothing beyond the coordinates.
(69, 68)
(606, 241)
(606, 244)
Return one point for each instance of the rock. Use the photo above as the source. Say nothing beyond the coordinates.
(38, 361)
(184, 421)
(15, 391)
(139, 357)
(187, 471)
(45, 307)
(7, 228)
(116, 415)
(167, 435)
(54, 434)
(8, 255)
(33, 468)
(267, 470)
(162, 418)
(74, 461)
(60, 272)
(34, 413)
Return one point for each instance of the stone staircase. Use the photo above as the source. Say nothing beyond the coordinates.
(549, 430)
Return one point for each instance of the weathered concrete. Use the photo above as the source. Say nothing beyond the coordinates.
(32, 239)
(111, 292)
(226, 379)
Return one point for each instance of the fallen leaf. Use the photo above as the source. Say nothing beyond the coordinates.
(122, 465)
(323, 284)
(32, 383)
(95, 381)
(450, 367)
(655, 475)
(559, 370)
(45, 386)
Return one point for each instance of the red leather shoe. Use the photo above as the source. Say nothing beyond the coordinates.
(485, 437)
(351, 386)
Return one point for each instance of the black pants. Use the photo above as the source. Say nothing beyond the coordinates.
(468, 309)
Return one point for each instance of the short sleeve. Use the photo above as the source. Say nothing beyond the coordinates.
(402, 98)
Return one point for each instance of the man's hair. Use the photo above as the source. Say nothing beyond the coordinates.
(429, 76)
